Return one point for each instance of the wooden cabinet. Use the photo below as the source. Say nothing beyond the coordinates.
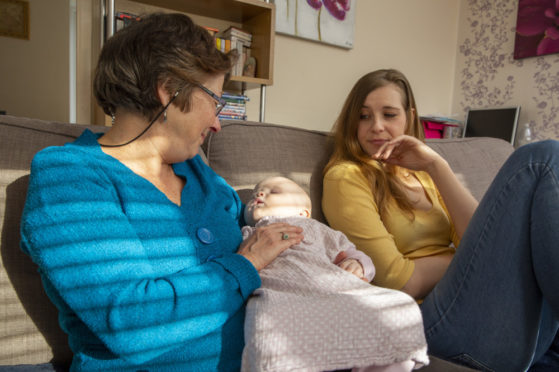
(254, 16)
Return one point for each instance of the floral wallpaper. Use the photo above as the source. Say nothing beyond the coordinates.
(489, 76)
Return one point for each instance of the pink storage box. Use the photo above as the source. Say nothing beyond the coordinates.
(433, 129)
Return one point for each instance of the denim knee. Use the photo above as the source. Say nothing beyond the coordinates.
(541, 151)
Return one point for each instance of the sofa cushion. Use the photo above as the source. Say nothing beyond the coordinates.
(475, 161)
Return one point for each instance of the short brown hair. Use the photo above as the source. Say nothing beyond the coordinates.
(161, 48)
(384, 184)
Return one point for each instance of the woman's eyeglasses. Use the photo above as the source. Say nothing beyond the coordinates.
(220, 102)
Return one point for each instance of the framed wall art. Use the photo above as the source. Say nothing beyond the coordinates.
(537, 28)
(14, 18)
(327, 21)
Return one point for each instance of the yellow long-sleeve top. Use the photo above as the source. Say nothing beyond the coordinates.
(392, 242)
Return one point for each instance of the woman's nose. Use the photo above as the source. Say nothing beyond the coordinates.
(216, 126)
(377, 126)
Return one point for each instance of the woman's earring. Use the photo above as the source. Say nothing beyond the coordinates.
(112, 119)
(165, 116)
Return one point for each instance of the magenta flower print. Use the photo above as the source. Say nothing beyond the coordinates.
(337, 8)
(315, 3)
(328, 21)
(537, 28)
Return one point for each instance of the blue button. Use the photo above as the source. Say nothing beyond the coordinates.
(205, 235)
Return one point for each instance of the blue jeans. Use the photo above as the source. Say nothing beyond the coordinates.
(497, 306)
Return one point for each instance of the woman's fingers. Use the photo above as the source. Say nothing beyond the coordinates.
(392, 148)
(408, 152)
(268, 242)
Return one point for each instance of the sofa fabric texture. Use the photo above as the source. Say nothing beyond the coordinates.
(243, 153)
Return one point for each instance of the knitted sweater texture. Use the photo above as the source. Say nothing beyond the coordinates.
(140, 282)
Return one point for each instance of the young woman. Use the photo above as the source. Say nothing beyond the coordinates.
(493, 302)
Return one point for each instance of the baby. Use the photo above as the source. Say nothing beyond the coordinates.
(315, 310)
(281, 197)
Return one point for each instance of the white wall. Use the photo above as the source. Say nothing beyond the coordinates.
(311, 80)
(34, 73)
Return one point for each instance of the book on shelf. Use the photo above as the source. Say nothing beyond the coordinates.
(238, 33)
(235, 104)
(240, 98)
(243, 52)
(123, 19)
(233, 110)
(240, 41)
(211, 30)
(222, 44)
(232, 117)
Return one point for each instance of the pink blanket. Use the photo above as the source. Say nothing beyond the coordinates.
(310, 315)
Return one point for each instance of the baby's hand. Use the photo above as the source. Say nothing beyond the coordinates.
(352, 266)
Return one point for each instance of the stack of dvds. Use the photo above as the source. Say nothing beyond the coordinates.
(235, 109)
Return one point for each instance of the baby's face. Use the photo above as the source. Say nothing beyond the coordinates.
(277, 196)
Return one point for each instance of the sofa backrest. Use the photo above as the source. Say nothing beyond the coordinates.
(246, 152)
(29, 330)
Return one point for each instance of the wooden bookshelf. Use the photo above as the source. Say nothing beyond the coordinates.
(254, 16)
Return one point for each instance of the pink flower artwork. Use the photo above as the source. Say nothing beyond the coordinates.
(327, 21)
(537, 28)
(337, 8)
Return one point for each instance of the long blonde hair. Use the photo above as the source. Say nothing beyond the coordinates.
(383, 181)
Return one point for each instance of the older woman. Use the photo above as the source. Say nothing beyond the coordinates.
(138, 241)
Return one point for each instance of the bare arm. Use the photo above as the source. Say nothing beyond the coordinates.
(427, 273)
(459, 201)
(409, 152)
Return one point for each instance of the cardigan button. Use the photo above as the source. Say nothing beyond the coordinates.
(205, 235)
(211, 258)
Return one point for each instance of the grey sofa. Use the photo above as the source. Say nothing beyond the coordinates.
(243, 153)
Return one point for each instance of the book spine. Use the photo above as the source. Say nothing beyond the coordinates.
(233, 117)
(238, 97)
(239, 64)
(229, 110)
(235, 104)
(238, 33)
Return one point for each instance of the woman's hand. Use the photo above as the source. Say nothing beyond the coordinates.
(411, 153)
(408, 152)
(268, 242)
